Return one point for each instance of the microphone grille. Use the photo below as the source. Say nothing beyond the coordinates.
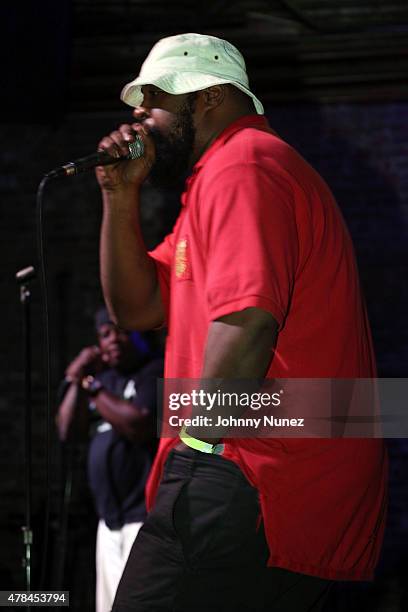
(136, 148)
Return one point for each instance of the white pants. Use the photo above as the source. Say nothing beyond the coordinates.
(112, 551)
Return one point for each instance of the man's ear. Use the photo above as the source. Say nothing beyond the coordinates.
(213, 96)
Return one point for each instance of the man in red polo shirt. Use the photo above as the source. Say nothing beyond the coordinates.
(257, 280)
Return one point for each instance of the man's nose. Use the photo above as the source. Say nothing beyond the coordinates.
(140, 113)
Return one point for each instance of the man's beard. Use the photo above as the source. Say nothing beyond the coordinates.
(173, 151)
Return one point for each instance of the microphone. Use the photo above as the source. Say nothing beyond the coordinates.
(101, 158)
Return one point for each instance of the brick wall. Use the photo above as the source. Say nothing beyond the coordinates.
(361, 151)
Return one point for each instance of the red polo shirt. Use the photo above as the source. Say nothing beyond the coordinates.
(259, 227)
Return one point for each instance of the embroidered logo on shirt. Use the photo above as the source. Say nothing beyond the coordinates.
(182, 267)
(130, 390)
(104, 427)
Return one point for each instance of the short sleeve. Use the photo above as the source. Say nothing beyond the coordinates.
(250, 238)
(163, 256)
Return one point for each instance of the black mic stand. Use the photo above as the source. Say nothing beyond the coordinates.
(23, 278)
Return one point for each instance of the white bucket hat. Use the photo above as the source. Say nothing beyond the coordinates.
(190, 62)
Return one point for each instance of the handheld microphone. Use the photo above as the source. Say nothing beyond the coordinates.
(101, 158)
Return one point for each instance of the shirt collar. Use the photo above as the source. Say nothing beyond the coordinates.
(258, 122)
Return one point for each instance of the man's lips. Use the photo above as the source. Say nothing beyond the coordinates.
(148, 125)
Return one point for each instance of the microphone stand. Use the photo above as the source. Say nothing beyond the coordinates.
(23, 278)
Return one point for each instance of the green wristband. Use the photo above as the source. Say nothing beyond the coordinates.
(203, 447)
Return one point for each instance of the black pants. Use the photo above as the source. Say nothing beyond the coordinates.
(203, 548)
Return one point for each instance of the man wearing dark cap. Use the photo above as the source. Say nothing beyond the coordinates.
(258, 280)
(110, 391)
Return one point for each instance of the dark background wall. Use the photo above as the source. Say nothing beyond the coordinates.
(340, 102)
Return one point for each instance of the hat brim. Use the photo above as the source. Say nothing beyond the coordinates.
(180, 83)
